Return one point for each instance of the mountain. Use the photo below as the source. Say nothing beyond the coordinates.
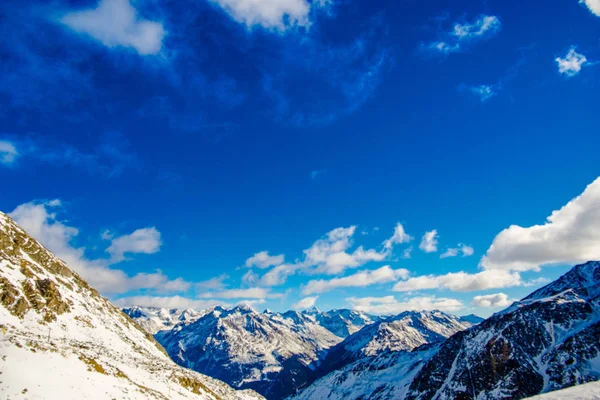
(403, 332)
(547, 341)
(62, 340)
(271, 353)
(587, 391)
(341, 322)
(154, 319)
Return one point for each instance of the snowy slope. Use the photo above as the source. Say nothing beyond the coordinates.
(269, 352)
(587, 391)
(403, 332)
(341, 322)
(154, 319)
(59, 339)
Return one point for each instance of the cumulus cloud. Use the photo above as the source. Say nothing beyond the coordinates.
(492, 300)
(360, 279)
(250, 293)
(454, 251)
(279, 14)
(389, 305)
(429, 242)
(217, 282)
(571, 64)
(593, 5)
(168, 302)
(399, 237)
(461, 281)
(41, 222)
(264, 260)
(8, 152)
(306, 302)
(407, 252)
(116, 23)
(570, 235)
(465, 33)
(141, 241)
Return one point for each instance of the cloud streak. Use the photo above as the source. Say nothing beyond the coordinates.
(360, 279)
(389, 305)
(116, 23)
(464, 34)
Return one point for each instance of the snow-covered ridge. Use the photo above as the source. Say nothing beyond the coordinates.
(154, 319)
(60, 339)
(545, 342)
(268, 352)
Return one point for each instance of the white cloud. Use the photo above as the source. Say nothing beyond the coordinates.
(360, 279)
(451, 252)
(429, 242)
(116, 23)
(399, 237)
(168, 302)
(461, 34)
(407, 252)
(571, 64)
(251, 303)
(484, 25)
(483, 92)
(570, 235)
(141, 241)
(593, 5)
(276, 276)
(217, 282)
(306, 302)
(264, 260)
(41, 223)
(280, 14)
(461, 281)
(462, 248)
(8, 152)
(250, 293)
(389, 305)
(492, 300)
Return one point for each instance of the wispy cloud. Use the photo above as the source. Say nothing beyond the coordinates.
(360, 279)
(305, 303)
(141, 241)
(116, 23)
(454, 251)
(461, 281)
(8, 152)
(389, 305)
(429, 242)
(572, 63)
(264, 260)
(464, 34)
(399, 237)
(483, 92)
(110, 157)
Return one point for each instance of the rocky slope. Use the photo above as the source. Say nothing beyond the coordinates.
(154, 319)
(403, 332)
(341, 322)
(59, 339)
(269, 352)
(547, 341)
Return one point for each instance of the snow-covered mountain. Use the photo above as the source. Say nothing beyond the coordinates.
(403, 332)
(59, 339)
(547, 341)
(269, 352)
(154, 319)
(341, 322)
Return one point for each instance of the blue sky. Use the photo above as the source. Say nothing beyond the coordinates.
(158, 146)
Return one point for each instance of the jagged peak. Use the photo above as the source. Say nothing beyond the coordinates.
(583, 279)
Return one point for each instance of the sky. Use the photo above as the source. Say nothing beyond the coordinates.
(293, 153)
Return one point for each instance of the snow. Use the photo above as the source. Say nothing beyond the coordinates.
(587, 391)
